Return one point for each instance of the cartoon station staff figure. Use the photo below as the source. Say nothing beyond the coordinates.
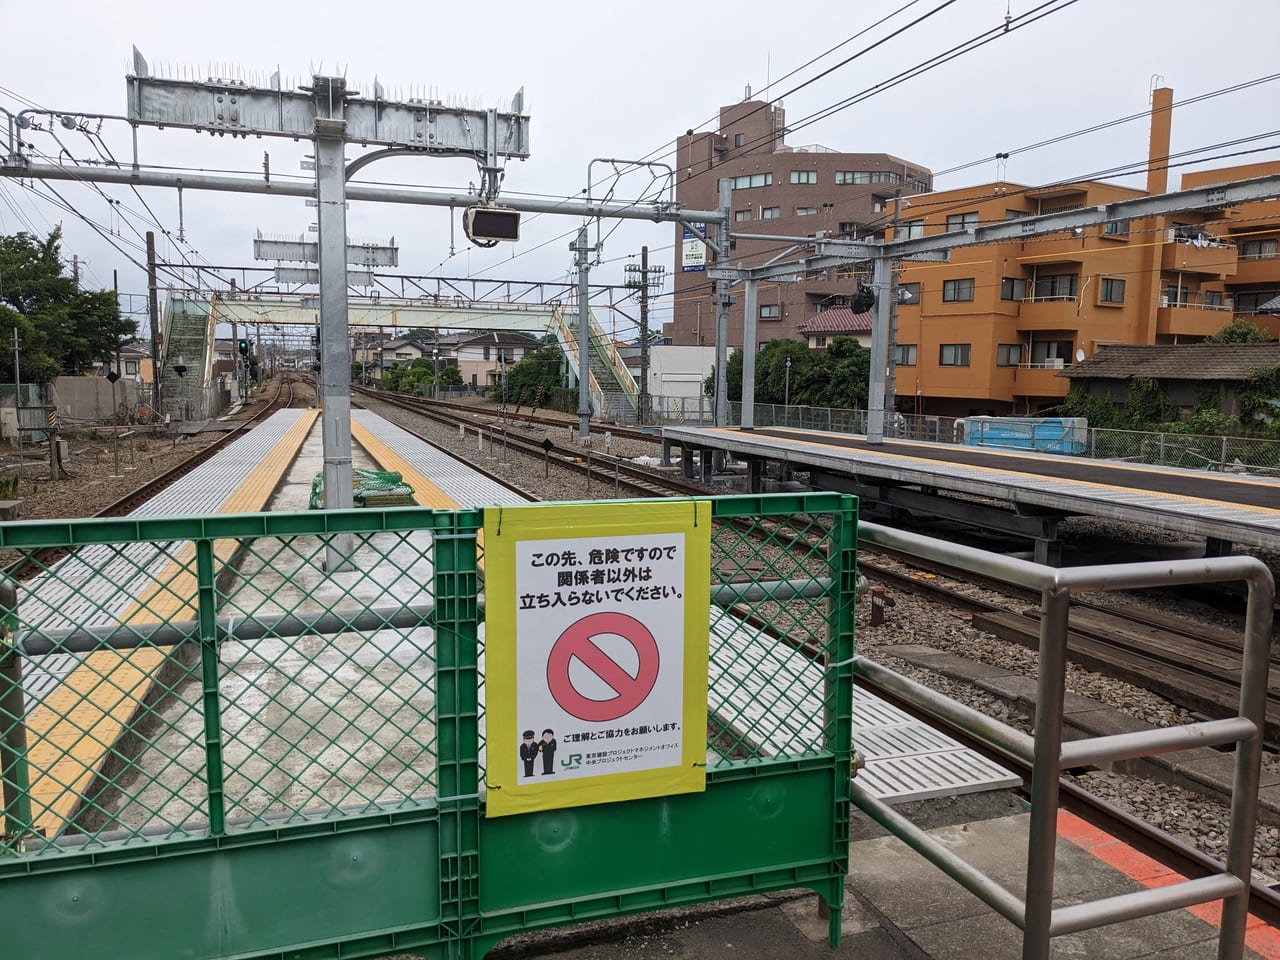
(548, 750)
(528, 752)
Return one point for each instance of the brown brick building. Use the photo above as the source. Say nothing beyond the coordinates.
(783, 190)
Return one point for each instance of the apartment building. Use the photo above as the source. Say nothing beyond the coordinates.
(990, 331)
(778, 190)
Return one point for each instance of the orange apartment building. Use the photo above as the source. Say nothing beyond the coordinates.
(989, 331)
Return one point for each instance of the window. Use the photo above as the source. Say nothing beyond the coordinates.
(953, 355)
(904, 354)
(1110, 290)
(1012, 288)
(819, 341)
(749, 180)
(770, 213)
(1259, 249)
(957, 291)
(403, 355)
(1212, 298)
(848, 228)
(959, 222)
(910, 230)
(866, 176)
(739, 139)
(1050, 353)
(806, 211)
(770, 311)
(909, 294)
(740, 215)
(1177, 296)
(1058, 286)
(1249, 302)
(131, 368)
(804, 176)
(1008, 354)
(920, 186)
(1116, 228)
(486, 353)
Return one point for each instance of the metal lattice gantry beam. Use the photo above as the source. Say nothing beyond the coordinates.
(220, 107)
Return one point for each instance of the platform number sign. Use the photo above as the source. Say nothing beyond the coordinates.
(596, 624)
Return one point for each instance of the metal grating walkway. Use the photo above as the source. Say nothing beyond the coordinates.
(903, 758)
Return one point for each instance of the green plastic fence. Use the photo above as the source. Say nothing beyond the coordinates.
(254, 758)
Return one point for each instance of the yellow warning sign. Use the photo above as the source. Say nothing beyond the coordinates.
(596, 624)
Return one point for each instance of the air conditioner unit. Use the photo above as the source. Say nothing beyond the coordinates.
(1054, 363)
(1228, 303)
(1164, 302)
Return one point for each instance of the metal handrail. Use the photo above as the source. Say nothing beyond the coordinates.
(1049, 756)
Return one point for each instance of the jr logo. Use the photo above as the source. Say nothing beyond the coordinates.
(573, 763)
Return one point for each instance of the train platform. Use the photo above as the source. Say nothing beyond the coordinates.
(1222, 507)
(898, 906)
(343, 724)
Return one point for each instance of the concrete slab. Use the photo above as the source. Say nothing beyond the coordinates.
(947, 664)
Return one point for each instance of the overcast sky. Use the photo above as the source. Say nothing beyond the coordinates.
(622, 80)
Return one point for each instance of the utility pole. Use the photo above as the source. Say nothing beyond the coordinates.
(582, 260)
(644, 336)
(153, 306)
(642, 279)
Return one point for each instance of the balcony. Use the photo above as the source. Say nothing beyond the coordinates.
(1040, 379)
(1048, 313)
(1257, 270)
(1191, 319)
(1201, 255)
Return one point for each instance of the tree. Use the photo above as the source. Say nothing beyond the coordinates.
(62, 329)
(1239, 330)
(536, 374)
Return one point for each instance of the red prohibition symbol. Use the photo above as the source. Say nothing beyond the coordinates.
(629, 691)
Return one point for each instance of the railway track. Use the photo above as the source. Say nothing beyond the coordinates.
(1194, 666)
(40, 560)
(612, 472)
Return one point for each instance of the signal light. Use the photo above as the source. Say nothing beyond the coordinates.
(244, 348)
(485, 226)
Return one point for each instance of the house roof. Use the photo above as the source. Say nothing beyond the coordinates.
(838, 320)
(1269, 306)
(1191, 361)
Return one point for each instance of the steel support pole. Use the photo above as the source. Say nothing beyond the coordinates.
(582, 260)
(1244, 787)
(891, 339)
(879, 351)
(335, 366)
(153, 311)
(1046, 769)
(749, 353)
(723, 300)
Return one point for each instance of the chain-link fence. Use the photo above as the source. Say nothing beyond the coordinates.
(1233, 454)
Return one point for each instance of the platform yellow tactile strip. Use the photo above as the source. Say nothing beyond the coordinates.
(74, 727)
(426, 493)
